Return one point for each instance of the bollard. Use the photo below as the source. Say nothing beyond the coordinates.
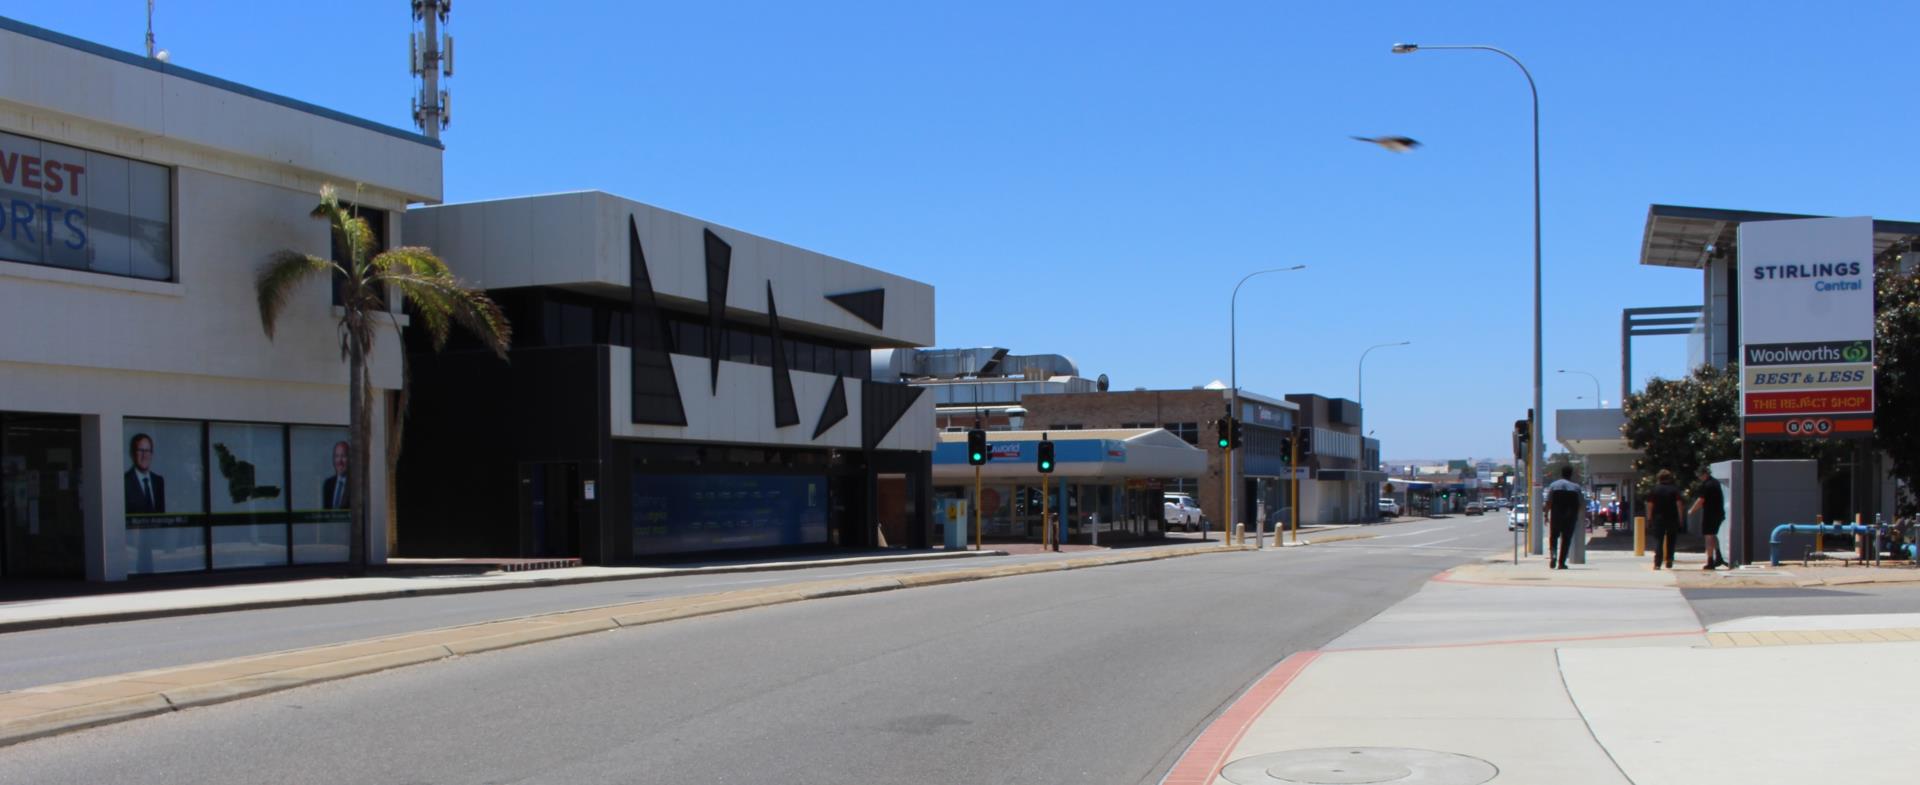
(1639, 535)
(1819, 536)
(1862, 542)
(1239, 534)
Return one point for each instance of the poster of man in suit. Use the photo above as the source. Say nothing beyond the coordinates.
(333, 490)
(146, 489)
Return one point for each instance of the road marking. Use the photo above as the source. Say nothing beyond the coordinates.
(1406, 534)
(1437, 542)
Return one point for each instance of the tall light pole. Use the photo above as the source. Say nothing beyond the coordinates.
(1537, 452)
(1596, 385)
(1360, 376)
(1360, 392)
(1233, 404)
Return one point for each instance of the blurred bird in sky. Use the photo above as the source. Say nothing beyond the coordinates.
(1398, 144)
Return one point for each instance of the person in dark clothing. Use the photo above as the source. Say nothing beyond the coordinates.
(1564, 505)
(1664, 518)
(1712, 505)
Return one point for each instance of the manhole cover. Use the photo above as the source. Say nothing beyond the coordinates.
(1359, 765)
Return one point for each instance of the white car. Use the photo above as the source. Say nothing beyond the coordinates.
(1389, 508)
(1517, 517)
(1183, 513)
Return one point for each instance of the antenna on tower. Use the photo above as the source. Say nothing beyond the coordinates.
(430, 58)
(160, 54)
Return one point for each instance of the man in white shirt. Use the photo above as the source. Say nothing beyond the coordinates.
(1565, 503)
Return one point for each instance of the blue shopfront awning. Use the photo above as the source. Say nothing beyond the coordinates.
(1114, 453)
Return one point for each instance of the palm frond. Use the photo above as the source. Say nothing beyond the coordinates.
(279, 277)
(441, 300)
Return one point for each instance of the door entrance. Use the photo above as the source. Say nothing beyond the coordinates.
(40, 522)
(550, 509)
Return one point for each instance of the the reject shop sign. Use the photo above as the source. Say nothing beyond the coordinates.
(1806, 327)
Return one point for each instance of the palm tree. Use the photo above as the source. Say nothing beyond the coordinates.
(438, 301)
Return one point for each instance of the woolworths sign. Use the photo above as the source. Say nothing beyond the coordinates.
(1806, 327)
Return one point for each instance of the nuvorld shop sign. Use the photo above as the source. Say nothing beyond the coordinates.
(1806, 327)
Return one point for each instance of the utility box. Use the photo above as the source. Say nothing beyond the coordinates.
(954, 521)
(1786, 491)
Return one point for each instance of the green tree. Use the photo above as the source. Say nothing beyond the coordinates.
(1896, 426)
(1683, 424)
(435, 299)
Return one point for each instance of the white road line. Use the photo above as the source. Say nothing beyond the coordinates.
(1437, 542)
(1404, 534)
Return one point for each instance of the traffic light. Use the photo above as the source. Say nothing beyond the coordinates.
(977, 447)
(1238, 440)
(1286, 449)
(1223, 427)
(1046, 455)
(1521, 432)
(1306, 441)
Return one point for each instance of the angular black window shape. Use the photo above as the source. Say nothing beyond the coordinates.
(719, 263)
(835, 410)
(882, 404)
(868, 304)
(785, 411)
(656, 390)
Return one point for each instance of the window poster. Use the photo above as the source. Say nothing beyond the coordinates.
(162, 493)
(319, 459)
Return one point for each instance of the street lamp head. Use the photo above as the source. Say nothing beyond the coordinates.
(1403, 49)
(1297, 267)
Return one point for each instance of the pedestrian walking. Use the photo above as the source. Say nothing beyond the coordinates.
(1712, 505)
(1664, 516)
(1564, 505)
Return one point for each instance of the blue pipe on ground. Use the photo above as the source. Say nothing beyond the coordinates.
(1773, 542)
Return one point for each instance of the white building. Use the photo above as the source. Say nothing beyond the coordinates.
(139, 200)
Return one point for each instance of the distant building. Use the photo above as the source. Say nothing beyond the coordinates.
(984, 384)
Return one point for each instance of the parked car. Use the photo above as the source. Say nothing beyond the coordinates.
(1389, 508)
(1475, 508)
(1517, 517)
(1183, 513)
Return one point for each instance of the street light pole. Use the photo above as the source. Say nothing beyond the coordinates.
(1233, 404)
(1360, 377)
(1538, 449)
(1596, 384)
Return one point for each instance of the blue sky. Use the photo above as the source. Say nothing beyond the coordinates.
(1091, 178)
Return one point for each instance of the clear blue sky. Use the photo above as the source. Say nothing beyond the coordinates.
(1091, 178)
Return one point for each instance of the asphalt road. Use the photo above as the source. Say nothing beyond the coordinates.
(1096, 676)
(1717, 605)
(50, 656)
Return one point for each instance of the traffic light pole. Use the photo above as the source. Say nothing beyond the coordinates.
(1293, 468)
(1226, 525)
(977, 499)
(1046, 507)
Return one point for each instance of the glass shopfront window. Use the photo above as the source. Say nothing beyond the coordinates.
(216, 495)
(82, 210)
(249, 515)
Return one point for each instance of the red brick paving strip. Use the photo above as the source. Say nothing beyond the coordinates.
(1201, 763)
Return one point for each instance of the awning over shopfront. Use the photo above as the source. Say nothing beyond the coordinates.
(1594, 434)
(1114, 453)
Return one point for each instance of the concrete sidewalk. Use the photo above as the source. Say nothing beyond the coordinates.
(1596, 674)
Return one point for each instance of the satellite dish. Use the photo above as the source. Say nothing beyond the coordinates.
(1101, 382)
(163, 56)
